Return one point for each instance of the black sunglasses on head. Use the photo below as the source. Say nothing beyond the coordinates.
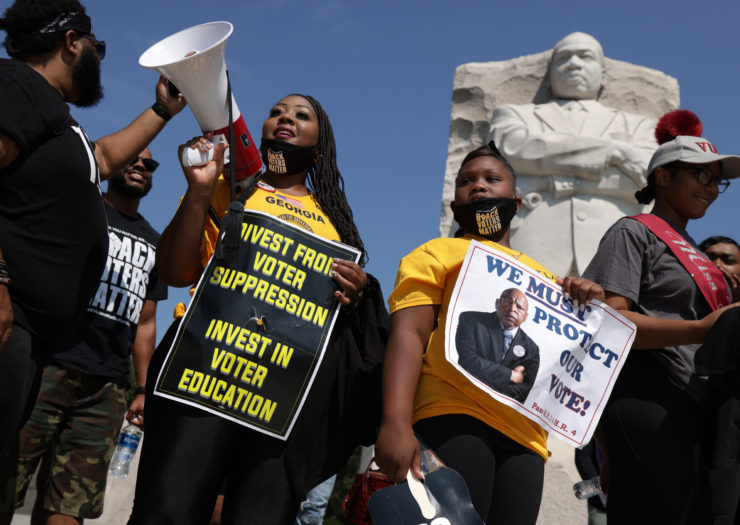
(149, 164)
(99, 45)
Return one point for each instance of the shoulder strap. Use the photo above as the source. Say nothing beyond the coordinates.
(708, 278)
(227, 246)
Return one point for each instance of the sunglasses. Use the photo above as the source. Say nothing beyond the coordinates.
(99, 45)
(149, 164)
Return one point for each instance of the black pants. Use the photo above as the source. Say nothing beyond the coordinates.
(504, 478)
(654, 433)
(189, 456)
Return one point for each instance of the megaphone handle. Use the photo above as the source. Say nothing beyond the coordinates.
(172, 88)
(196, 157)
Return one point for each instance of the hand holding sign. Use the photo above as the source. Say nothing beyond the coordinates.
(566, 348)
(351, 278)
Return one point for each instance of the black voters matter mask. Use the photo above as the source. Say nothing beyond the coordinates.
(285, 158)
(485, 217)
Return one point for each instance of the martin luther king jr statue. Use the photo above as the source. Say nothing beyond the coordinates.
(578, 162)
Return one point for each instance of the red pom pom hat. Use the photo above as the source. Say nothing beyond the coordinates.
(678, 134)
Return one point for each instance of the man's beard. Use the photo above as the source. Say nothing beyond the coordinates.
(86, 76)
(133, 192)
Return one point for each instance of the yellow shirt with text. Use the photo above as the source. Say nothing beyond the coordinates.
(303, 212)
(427, 276)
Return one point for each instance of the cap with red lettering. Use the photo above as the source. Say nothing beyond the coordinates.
(678, 135)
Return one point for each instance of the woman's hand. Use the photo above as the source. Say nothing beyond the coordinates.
(203, 177)
(581, 290)
(351, 278)
(706, 323)
(397, 451)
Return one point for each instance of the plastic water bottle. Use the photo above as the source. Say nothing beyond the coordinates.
(588, 488)
(128, 442)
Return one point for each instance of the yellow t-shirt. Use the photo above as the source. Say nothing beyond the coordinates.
(303, 212)
(427, 276)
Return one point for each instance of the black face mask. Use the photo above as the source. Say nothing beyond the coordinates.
(485, 217)
(284, 158)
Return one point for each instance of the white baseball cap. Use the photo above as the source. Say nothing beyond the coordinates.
(694, 150)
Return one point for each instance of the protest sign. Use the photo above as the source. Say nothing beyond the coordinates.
(511, 332)
(254, 334)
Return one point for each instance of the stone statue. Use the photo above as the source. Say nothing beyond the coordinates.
(578, 160)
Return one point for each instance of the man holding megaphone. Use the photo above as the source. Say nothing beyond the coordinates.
(53, 232)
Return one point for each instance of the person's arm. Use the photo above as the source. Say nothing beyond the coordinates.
(143, 348)
(396, 449)
(657, 332)
(6, 312)
(116, 150)
(527, 373)
(182, 242)
(9, 151)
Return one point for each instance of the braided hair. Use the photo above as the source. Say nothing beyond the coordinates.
(22, 21)
(327, 183)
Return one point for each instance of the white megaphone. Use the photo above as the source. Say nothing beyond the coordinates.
(193, 60)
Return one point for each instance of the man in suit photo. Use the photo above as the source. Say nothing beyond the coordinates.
(493, 347)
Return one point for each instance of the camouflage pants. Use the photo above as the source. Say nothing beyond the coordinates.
(72, 430)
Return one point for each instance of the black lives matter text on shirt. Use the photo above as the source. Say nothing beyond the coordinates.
(254, 334)
(104, 344)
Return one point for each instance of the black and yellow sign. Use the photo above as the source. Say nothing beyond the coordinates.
(254, 334)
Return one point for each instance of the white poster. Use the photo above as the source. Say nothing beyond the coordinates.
(512, 334)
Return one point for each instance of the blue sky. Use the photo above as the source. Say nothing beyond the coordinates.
(384, 71)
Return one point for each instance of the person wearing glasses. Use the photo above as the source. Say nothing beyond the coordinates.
(82, 400)
(724, 252)
(53, 234)
(658, 416)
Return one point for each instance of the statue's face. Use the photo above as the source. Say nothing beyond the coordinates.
(577, 70)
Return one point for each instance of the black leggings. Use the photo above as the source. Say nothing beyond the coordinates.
(504, 478)
(189, 456)
(653, 432)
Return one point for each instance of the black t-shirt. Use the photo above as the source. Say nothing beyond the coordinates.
(103, 345)
(53, 231)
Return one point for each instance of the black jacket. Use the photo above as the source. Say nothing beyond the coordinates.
(343, 408)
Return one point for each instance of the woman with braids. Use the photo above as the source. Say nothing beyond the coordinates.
(658, 414)
(190, 455)
(498, 452)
